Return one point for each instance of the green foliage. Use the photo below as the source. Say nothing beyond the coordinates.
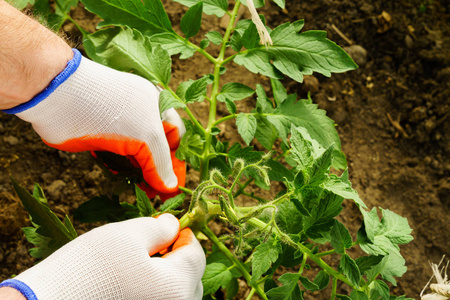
(269, 232)
(48, 233)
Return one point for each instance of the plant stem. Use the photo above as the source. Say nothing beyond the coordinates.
(204, 168)
(185, 190)
(206, 231)
(327, 268)
(226, 118)
(302, 266)
(199, 50)
(333, 289)
(250, 295)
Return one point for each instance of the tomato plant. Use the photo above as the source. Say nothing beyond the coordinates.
(295, 227)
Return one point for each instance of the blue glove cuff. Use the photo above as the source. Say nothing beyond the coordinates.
(71, 67)
(24, 289)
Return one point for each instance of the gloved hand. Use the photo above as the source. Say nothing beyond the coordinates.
(90, 107)
(113, 262)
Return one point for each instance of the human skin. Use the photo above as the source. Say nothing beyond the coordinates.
(10, 294)
(30, 56)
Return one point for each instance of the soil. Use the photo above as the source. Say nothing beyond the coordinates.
(392, 115)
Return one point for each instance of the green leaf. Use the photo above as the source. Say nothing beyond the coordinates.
(265, 254)
(384, 236)
(280, 3)
(197, 90)
(340, 237)
(20, 4)
(214, 37)
(292, 113)
(100, 208)
(392, 265)
(167, 100)
(343, 297)
(279, 92)
(343, 188)
(367, 262)
(379, 290)
(231, 107)
(210, 7)
(288, 218)
(349, 268)
(232, 289)
(50, 233)
(159, 14)
(204, 44)
(236, 42)
(258, 62)
(278, 172)
(322, 279)
(192, 19)
(216, 275)
(143, 203)
(173, 203)
(173, 45)
(289, 290)
(307, 284)
(358, 295)
(130, 13)
(246, 125)
(128, 50)
(265, 133)
(234, 91)
(302, 150)
(262, 102)
(301, 54)
(250, 38)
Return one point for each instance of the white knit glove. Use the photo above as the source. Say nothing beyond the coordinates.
(113, 262)
(90, 107)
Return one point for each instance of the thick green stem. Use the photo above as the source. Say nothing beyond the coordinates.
(233, 259)
(204, 168)
(333, 289)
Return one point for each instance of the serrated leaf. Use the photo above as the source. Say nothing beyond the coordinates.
(128, 50)
(143, 203)
(210, 7)
(288, 218)
(358, 295)
(234, 91)
(265, 133)
(264, 255)
(197, 90)
(236, 41)
(231, 107)
(301, 114)
(307, 284)
(279, 92)
(246, 125)
(350, 269)
(278, 172)
(392, 265)
(41, 215)
(250, 38)
(289, 290)
(340, 237)
(262, 102)
(173, 45)
(322, 279)
(41, 243)
(302, 150)
(214, 37)
(342, 188)
(296, 55)
(379, 290)
(167, 100)
(246, 153)
(173, 203)
(159, 14)
(216, 275)
(367, 262)
(192, 19)
(21, 4)
(129, 13)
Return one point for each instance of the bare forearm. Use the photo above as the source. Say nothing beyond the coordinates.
(8, 293)
(30, 56)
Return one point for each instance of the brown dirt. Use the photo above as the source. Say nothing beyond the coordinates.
(392, 117)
